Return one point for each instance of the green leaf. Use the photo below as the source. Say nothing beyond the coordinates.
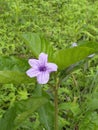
(15, 77)
(67, 57)
(90, 44)
(46, 112)
(72, 106)
(13, 70)
(46, 116)
(63, 122)
(13, 63)
(37, 44)
(91, 102)
(89, 122)
(20, 112)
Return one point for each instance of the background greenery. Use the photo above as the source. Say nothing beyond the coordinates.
(62, 22)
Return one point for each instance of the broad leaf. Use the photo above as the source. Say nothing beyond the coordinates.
(90, 44)
(37, 44)
(46, 112)
(20, 112)
(13, 70)
(46, 116)
(67, 57)
(15, 77)
(13, 63)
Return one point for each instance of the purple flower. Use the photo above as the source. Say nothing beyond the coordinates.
(74, 44)
(41, 68)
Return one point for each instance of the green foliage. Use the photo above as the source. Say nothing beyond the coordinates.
(91, 44)
(72, 106)
(63, 58)
(13, 63)
(20, 111)
(61, 27)
(13, 70)
(37, 44)
(14, 77)
(90, 122)
(46, 112)
(90, 103)
(62, 22)
(46, 115)
(66, 57)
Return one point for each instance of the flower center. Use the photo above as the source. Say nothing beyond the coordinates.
(42, 68)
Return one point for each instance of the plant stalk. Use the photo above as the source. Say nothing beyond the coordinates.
(56, 105)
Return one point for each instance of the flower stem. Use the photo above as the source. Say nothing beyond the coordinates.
(56, 105)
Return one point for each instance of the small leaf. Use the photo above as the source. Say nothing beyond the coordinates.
(90, 103)
(89, 122)
(67, 57)
(72, 106)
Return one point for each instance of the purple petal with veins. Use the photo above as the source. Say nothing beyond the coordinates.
(51, 67)
(32, 72)
(43, 77)
(43, 58)
(33, 63)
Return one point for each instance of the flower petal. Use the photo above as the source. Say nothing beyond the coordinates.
(74, 44)
(51, 67)
(32, 72)
(43, 58)
(34, 63)
(43, 78)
